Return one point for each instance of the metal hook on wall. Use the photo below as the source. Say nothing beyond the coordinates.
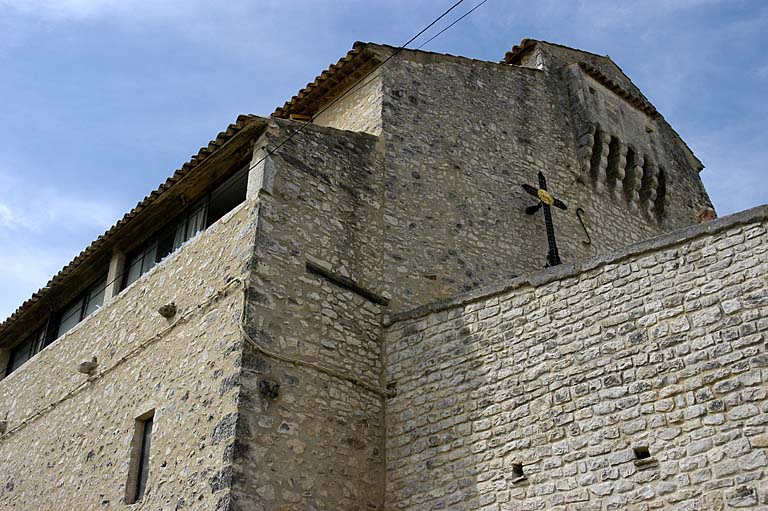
(588, 241)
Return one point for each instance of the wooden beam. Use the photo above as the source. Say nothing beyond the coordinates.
(346, 283)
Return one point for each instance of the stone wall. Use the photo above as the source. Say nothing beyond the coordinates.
(563, 373)
(358, 107)
(69, 435)
(461, 136)
(318, 443)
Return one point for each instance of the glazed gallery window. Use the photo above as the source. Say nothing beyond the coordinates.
(25, 350)
(85, 304)
(221, 199)
(164, 243)
(78, 309)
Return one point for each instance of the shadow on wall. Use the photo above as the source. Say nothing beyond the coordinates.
(632, 385)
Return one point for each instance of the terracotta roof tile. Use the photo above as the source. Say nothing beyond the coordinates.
(307, 100)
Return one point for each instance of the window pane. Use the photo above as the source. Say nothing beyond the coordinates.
(227, 195)
(22, 353)
(141, 262)
(134, 269)
(146, 442)
(95, 297)
(196, 222)
(179, 234)
(70, 317)
(190, 226)
(149, 259)
(223, 198)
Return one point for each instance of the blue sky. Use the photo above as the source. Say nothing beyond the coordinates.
(103, 99)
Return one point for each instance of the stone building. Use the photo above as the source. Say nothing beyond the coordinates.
(356, 317)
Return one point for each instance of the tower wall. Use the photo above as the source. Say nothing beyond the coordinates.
(318, 442)
(460, 137)
(564, 373)
(418, 201)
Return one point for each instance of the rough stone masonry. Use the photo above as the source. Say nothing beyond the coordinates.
(633, 381)
(304, 368)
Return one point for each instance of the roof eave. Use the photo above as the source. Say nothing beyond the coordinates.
(244, 128)
(351, 67)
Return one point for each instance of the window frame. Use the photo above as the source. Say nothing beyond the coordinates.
(50, 331)
(83, 301)
(140, 457)
(190, 222)
(35, 342)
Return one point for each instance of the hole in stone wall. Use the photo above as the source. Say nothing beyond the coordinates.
(517, 472)
(641, 452)
(643, 458)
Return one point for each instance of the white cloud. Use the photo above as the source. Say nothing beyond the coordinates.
(35, 209)
(24, 268)
(41, 230)
(6, 216)
(83, 9)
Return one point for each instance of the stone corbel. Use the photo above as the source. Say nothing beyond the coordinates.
(652, 187)
(635, 182)
(585, 142)
(600, 173)
(621, 165)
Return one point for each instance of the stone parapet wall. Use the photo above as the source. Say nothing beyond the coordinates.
(564, 373)
(69, 435)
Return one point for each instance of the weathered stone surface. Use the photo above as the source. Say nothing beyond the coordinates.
(75, 454)
(703, 425)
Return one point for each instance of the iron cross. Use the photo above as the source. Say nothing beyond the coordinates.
(546, 200)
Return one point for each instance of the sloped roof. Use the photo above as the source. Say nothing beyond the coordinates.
(351, 66)
(638, 101)
(242, 123)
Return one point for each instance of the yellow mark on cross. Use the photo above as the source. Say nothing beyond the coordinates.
(545, 197)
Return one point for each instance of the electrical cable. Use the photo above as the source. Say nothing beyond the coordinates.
(136, 349)
(90, 292)
(357, 85)
(381, 391)
(452, 24)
